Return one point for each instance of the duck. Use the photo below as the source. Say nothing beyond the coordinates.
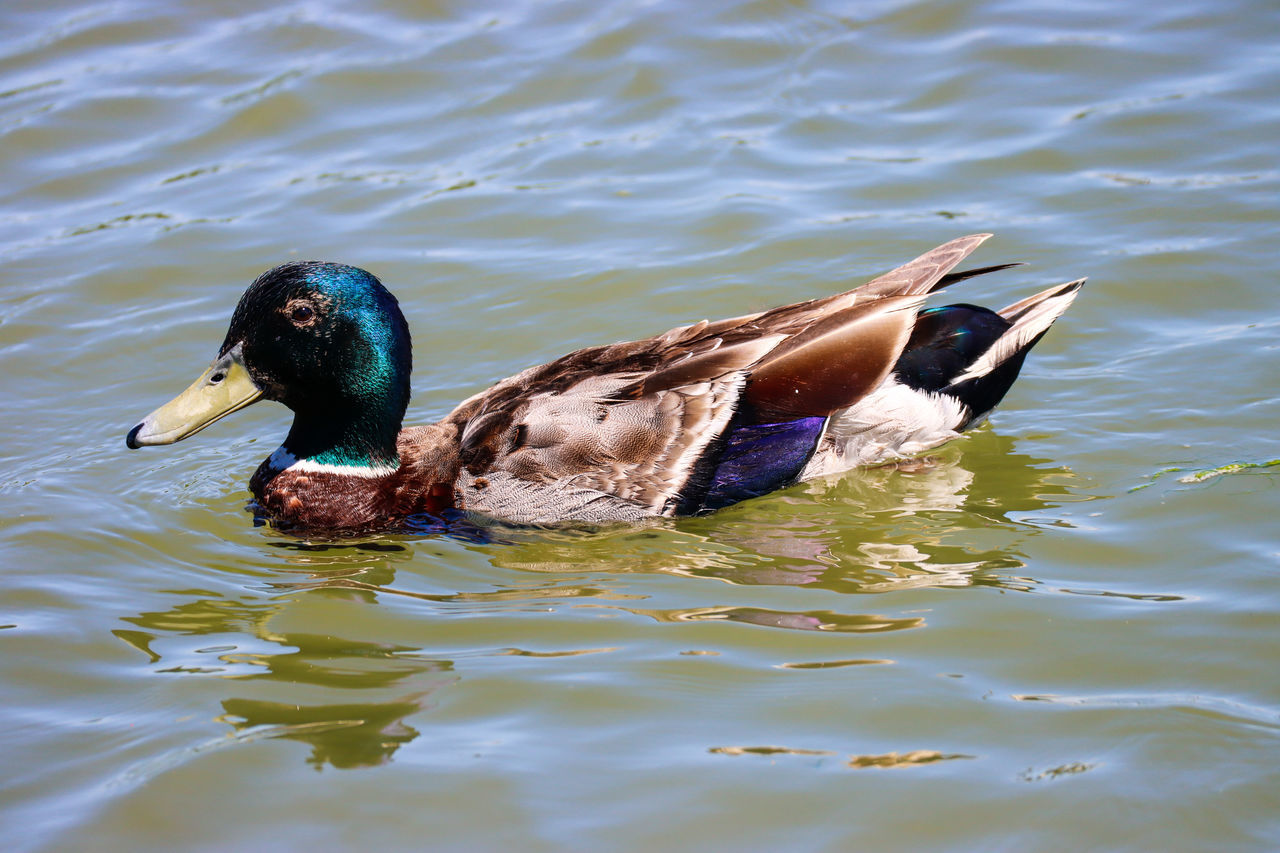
(683, 423)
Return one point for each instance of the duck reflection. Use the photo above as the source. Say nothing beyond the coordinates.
(394, 681)
(362, 734)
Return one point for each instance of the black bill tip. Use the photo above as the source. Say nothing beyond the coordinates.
(132, 438)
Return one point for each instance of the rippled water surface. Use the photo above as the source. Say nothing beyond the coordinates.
(1060, 632)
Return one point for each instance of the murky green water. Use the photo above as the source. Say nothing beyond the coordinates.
(1061, 632)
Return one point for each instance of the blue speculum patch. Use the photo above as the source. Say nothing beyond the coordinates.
(762, 458)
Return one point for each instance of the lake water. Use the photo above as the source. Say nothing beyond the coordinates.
(1059, 632)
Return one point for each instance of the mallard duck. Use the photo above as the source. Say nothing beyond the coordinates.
(683, 423)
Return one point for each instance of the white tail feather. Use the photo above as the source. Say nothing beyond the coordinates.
(1031, 318)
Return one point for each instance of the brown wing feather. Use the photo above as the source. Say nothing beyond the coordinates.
(847, 343)
(710, 364)
(833, 363)
(924, 273)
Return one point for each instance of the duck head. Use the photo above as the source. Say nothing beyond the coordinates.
(325, 339)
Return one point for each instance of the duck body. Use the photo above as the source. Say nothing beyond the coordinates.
(693, 420)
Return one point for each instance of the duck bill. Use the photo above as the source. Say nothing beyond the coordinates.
(224, 388)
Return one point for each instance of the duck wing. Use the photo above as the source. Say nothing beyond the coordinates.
(641, 428)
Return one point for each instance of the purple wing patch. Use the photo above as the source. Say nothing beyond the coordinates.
(761, 458)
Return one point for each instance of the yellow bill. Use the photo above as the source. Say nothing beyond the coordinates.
(224, 388)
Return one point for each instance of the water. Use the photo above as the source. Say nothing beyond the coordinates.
(1059, 632)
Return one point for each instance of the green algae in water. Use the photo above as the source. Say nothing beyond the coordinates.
(1206, 475)
(1232, 468)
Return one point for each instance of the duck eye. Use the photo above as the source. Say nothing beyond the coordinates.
(302, 313)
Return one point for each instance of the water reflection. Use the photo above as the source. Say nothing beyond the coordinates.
(888, 760)
(813, 620)
(362, 734)
(918, 524)
(395, 681)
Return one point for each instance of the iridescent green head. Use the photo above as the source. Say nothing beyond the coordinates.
(328, 341)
